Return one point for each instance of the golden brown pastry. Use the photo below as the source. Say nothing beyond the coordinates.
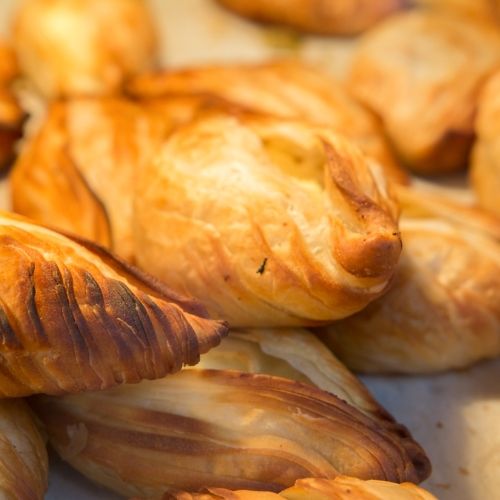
(443, 310)
(10, 113)
(74, 318)
(23, 456)
(340, 488)
(422, 72)
(234, 421)
(268, 222)
(288, 89)
(486, 9)
(485, 171)
(83, 47)
(79, 172)
(326, 17)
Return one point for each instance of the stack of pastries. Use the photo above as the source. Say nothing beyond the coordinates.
(283, 201)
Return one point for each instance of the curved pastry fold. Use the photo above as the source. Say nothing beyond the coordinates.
(83, 47)
(340, 488)
(269, 222)
(79, 171)
(443, 310)
(325, 17)
(218, 427)
(74, 318)
(10, 112)
(23, 456)
(430, 66)
(485, 171)
(287, 89)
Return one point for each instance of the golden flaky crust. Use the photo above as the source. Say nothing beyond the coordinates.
(74, 318)
(485, 171)
(430, 66)
(23, 456)
(287, 89)
(485, 9)
(340, 488)
(326, 17)
(83, 47)
(10, 112)
(79, 171)
(269, 222)
(443, 310)
(225, 428)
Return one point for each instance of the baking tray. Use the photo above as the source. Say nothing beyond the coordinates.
(455, 416)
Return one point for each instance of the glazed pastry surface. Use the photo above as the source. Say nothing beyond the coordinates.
(326, 17)
(74, 318)
(443, 309)
(23, 455)
(485, 170)
(83, 47)
(287, 89)
(268, 222)
(431, 66)
(10, 113)
(239, 420)
(340, 488)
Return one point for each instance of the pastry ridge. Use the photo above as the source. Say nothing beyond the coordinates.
(74, 318)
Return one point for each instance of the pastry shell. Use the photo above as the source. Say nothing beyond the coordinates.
(269, 222)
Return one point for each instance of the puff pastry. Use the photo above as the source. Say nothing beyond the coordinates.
(288, 89)
(220, 427)
(23, 456)
(430, 65)
(340, 488)
(485, 171)
(443, 310)
(74, 318)
(326, 17)
(10, 111)
(83, 47)
(78, 173)
(268, 222)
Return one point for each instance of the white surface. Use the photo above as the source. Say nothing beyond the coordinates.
(456, 417)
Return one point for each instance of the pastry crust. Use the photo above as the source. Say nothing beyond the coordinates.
(74, 318)
(485, 171)
(231, 428)
(431, 66)
(443, 310)
(79, 171)
(287, 89)
(10, 113)
(269, 222)
(325, 17)
(340, 488)
(23, 456)
(83, 47)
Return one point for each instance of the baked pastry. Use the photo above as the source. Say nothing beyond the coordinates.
(325, 17)
(486, 9)
(78, 173)
(10, 113)
(340, 488)
(23, 456)
(216, 425)
(83, 47)
(287, 89)
(269, 222)
(485, 171)
(443, 310)
(430, 66)
(74, 318)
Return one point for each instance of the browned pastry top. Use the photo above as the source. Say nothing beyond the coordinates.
(74, 318)
(422, 72)
(327, 17)
(23, 455)
(268, 221)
